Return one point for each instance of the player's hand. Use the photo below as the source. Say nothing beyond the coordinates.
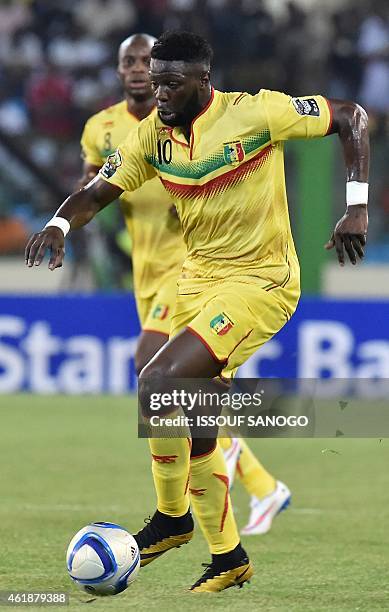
(51, 239)
(350, 234)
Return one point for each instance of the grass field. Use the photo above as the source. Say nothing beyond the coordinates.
(65, 462)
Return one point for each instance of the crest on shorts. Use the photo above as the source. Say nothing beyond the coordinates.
(221, 324)
(113, 162)
(233, 152)
(160, 312)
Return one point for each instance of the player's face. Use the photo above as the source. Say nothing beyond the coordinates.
(178, 89)
(133, 69)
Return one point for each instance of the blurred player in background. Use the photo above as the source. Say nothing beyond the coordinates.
(220, 157)
(158, 251)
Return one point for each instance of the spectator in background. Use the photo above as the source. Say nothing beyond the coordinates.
(50, 19)
(261, 31)
(75, 49)
(344, 60)
(291, 48)
(12, 228)
(373, 47)
(228, 28)
(13, 16)
(190, 15)
(49, 100)
(100, 18)
(13, 234)
(25, 50)
(13, 116)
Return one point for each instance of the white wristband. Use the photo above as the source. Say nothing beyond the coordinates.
(60, 222)
(356, 193)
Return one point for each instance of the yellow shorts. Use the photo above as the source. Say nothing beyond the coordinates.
(155, 312)
(234, 318)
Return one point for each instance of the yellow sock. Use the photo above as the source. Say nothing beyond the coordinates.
(225, 443)
(255, 479)
(210, 499)
(170, 467)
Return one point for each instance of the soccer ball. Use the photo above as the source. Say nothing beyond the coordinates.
(103, 559)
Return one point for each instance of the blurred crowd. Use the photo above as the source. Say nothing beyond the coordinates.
(57, 67)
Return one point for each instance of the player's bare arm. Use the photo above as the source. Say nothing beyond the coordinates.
(89, 173)
(77, 210)
(350, 122)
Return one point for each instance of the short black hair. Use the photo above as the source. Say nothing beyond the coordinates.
(177, 45)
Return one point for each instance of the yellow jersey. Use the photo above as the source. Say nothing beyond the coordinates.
(158, 248)
(227, 182)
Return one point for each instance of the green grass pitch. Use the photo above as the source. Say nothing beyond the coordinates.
(68, 461)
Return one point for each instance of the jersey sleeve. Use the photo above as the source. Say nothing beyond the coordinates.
(90, 152)
(127, 168)
(303, 117)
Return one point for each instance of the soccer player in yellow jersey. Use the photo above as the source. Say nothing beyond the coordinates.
(158, 251)
(220, 157)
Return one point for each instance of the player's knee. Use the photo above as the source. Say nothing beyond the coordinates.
(152, 383)
(202, 446)
(140, 362)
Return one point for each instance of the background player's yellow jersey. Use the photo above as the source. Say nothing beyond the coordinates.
(227, 182)
(157, 244)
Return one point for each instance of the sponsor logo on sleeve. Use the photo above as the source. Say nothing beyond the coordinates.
(307, 106)
(114, 161)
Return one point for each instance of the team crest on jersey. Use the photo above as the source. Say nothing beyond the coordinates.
(233, 152)
(221, 324)
(113, 162)
(160, 312)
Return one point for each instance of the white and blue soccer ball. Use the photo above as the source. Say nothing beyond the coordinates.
(103, 559)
